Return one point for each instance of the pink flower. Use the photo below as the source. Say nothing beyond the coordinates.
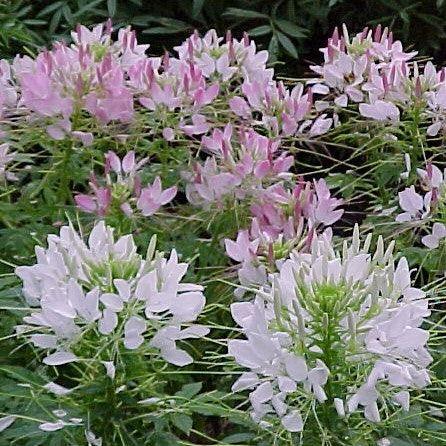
(415, 206)
(153, 197)
(205, 96)
(113, 100)
(198, 126)
(240, 107)
(39, 95)
(243, 249)
(432, 240)
(324, 208)
(97, 203)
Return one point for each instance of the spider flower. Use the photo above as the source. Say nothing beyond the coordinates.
(240, 166)
(87, 295)
(427, 208)
(122, 191)
(282, 219)
(334, 331)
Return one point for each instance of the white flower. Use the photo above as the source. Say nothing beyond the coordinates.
(432, 240)
(106, 286)
(347, 316)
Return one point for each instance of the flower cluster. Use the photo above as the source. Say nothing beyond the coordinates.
(427, 208)
(88, 76)
(240, 165)
(283, 219)
(115, 82)
(124, 193)
(373, 71)
(104, 290)
(336, 329)
(282, 112)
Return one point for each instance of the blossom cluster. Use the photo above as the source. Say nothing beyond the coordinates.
(124, 193)
(105, 289)
(332, 328)
(247, 167)
(372, 70)
(240, 164)
(428, 209)
(116, 83)
(283, 219)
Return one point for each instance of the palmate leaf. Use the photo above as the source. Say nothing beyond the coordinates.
(291, 28)
(260, 30)
(244, 14)
(286, 43)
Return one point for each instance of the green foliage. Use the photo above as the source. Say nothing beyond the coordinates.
(289, 29)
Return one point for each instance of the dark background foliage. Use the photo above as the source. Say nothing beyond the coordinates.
(292, 30)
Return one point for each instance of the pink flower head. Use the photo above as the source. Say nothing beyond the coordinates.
(95, 204)
(324, 208)
(433, 240)
(39, 95)
(153, 197)
(415, 206)
(243, 248)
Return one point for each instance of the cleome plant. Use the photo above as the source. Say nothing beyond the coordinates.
(196, 252)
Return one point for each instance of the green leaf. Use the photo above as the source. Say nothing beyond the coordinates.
(237, 438)
(111, 7)
(87, 7)
(440, 3)
(260, 30)
(273, 48)
(161, 30)
(244, 14)
(68, 14)
(291, 29)
(405, 17)
(49, 9)
(55, 20)
(182, 421)
(163, 439)
(22, 375)
(190, 390)
(288, 45)
(34, 22)
(197, 6)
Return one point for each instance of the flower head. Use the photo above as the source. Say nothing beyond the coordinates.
(105, 292)
(332, 328)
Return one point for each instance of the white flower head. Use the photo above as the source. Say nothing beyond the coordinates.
(104, 288)
(335, 327)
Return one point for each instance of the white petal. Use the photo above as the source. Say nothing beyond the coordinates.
(5, 422)
(293, 422)
(108, 322)
(112, 301)
(51, 427)
(56, 389)
(262, 394)
(60, 358)
(339, 406)
(177, 357)
(246, 380)
(296, 367)
(44, 341)
(110, 368)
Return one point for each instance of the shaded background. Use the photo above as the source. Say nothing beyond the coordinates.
(292, 30)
